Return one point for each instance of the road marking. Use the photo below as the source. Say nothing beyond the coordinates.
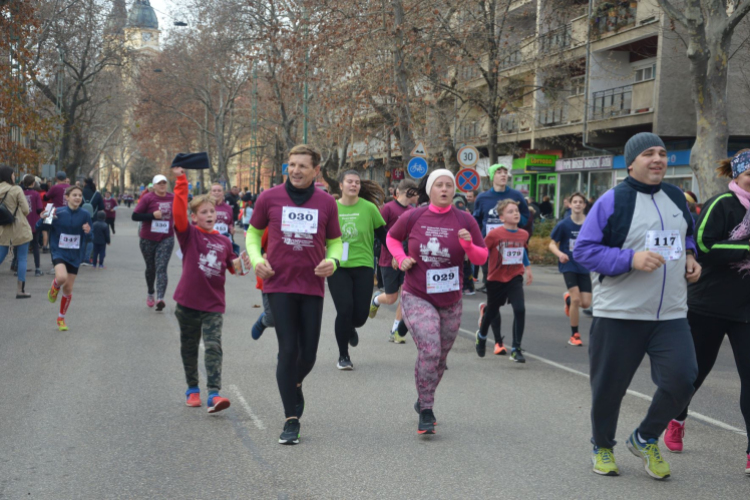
(691, 413)
(243, 402)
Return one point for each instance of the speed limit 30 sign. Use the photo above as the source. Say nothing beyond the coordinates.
(468, 156)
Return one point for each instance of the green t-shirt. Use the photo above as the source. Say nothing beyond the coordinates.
(358, 223)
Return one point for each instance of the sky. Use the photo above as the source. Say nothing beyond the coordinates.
(162, 8)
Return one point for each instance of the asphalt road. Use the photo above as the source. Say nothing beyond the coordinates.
(98, 412)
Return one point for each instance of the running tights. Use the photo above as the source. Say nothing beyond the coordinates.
(351, 290)
(298, 318)
(497, 295)
(157, 255)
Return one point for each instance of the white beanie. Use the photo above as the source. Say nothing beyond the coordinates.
(439, 173)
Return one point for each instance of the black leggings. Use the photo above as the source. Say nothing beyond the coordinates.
(111, 223)
(497, 295)
(351, 290)
(298, 318)
(708, 335)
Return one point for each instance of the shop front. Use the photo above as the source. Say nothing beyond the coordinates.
(592, 176)
(534, 175)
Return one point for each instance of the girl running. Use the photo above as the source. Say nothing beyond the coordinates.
(110, 210)
(438, 237)
(577, 278)
(69, 232)
(154, 211)
(351, 284)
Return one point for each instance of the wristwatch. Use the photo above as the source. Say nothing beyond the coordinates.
(336, 262)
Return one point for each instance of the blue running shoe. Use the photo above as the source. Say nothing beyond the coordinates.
(258, 327)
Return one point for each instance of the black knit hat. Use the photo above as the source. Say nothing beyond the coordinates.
(640, 143)
(191, 161)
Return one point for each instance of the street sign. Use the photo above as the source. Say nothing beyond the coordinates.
(419, 150)
(417, 168)
(467, 180)
(468, 156)
(48, 171)
(284, 169)
(190, 186)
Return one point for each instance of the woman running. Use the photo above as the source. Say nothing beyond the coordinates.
(438, 236)
(154, 211)
(719, 303)
(577, 278)
(351, 284)
(69, 232)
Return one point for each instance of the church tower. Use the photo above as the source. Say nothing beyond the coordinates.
(142, 28)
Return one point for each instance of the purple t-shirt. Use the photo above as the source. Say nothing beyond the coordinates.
(224, 218)
(35, 203)
(206, 257)
(109, 207)
(56, 194)
(294, 254)
(156, 230)
(434, 244)
(391, 211)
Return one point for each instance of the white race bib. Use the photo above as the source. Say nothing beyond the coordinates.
(299, 220)
(443, 280)
(345, 253)
(572, 244)
(160, 226)
(667, 243)
(221, 227)
(512, 256)
(490, 227)
(70, 241)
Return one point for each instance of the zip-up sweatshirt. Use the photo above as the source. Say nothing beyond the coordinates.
(67, 226)
(616, 228)
(485, 212)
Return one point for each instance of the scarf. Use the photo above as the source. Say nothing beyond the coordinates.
(299, 196)
(742, 231)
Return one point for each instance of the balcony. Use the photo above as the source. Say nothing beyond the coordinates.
(612, 102)
(509, 123)
(611, 17)
(557, 39)
(512, 59)
(552, 114)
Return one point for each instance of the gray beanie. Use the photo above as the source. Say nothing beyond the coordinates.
(639, 143)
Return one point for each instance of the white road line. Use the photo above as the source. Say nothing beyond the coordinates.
(243, 402)
(693, 414)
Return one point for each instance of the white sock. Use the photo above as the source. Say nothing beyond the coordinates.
(681, 422)
(639, 438)
(395, 326)
(375, 300)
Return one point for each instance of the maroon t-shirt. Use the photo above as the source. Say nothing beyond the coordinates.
(56, 195)
(391, 211)
(109, 208)
(434, 244)
(35, 203)
(295, 254)
(224, 218)
(156, 230)
(206, 257)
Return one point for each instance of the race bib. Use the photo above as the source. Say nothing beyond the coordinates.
(668, 243)
(572, 244)
(490, 227)
(160, 226)
(512, 256)
(299, 220)
(221, 227)
(70, 241)
(443, 280)
(345, 253)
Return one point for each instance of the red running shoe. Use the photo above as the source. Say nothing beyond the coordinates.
(150, 301)
(673, 436)
(500, 349)
(217, 403)
(747, 467)
(575, 340)
(194, 400)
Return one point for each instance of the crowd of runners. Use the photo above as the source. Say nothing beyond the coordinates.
(662, 280)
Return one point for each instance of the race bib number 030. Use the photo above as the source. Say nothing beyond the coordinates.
(443, 280)
(299, 220)
(512, 256)
(160, 226)
(70, 241)
(668, 244)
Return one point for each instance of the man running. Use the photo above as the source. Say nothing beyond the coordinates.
(638, 242)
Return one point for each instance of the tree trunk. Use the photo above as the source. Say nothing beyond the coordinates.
(401, 76)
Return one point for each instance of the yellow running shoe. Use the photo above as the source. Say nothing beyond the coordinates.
(61, 326)
(52, 294)
(604, 462)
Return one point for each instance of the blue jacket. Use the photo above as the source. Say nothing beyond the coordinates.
(68, 225)
(485, 212)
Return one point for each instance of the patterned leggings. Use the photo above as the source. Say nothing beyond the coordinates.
(434, 330)
(157, 255)
(193, 325)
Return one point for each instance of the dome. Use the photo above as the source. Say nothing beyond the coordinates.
(142, 15)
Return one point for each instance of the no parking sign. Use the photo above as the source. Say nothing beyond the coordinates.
(467, 180)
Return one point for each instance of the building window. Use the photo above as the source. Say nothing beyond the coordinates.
(644, 74)
(578, 85)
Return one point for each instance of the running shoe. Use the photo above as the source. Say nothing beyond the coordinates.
(193, 397)
(160, 305)
(575, 340)
(673, 436)
(354, 338)
(469, 292)
(300, 406)
(258, 327)
(426, 422)
(481, 345)
(517, 356)
(290, 435)
(747, 467)
(566, 299)
(150, 301)
(374, 307)
(345, 363)
(654, 464)
(52, 294)
(216, 403)
(38, 273)
(396, 338)
(500, 349)
(604, 462)
(418, 409)
(61, 326)
(482, 307)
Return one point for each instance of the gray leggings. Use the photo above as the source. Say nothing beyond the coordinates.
(157, 255)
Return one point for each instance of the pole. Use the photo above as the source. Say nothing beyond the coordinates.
(305, 98)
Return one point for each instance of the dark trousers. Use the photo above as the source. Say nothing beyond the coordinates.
(193, 325)
(616, 349)
(708, 335)
(100, 251)
(351, 291)
(111, 224)
(499, 294)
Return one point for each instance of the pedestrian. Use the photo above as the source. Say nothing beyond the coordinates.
(638, 242)
(508, 260)
(154, 212)
(14, 226)
(36, 206)
(546, 208)
(69, 231)
(437, 236)
(351, 284)
(304, 248)
(471, 197)
(101, 239)
(577, 278)
(719, 303)
(110, 210)
(233, 199)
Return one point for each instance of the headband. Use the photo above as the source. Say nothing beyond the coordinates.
(434, 176)
(740, 163)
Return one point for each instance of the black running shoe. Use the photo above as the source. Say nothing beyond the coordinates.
(481, 345)
(426, 422)
(354, 339)
(345, 363)
(300, 406)
(291, 432)
(418, 409)
(160, 305)
(517, 356)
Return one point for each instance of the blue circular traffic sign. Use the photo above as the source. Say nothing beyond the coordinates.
(417, 168)
(467, 180)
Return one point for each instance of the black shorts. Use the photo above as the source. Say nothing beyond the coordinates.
(582, 281)
(68, 267)
(392, 279)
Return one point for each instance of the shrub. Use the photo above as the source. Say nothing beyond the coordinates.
(539, 253)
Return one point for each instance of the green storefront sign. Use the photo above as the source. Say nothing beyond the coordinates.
(534, 175)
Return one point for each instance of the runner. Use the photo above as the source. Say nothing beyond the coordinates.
(69, 230)
(719, 302)
(438, 237)
(577, 278)
(351, 284)
(406, 196)
(304, 248)
(509, 258)
(110, 210)
(154, 212)
(224, 215)
(640, 302)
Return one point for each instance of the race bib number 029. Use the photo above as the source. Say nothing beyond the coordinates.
(443, 280)
(160, 226)
(70, 241)
(299, 220)
(668, 244)
(512, 256)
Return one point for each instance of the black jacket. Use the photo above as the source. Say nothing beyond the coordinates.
(721, 291)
